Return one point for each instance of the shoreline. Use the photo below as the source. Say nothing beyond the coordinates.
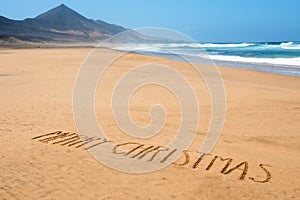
(267, 68)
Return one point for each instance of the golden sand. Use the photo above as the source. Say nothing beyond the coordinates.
(260, 139)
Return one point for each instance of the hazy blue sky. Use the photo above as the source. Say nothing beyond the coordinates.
(203, 20)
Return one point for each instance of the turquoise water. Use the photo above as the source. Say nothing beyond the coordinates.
(274, 57)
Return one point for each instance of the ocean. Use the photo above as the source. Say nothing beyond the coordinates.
(273, 57)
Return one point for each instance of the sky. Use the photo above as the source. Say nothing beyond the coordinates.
(203, 20)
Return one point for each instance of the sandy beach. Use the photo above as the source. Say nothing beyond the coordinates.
(260, 135)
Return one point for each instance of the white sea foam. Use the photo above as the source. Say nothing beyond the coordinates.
(289, 45)
(158, 47)
(139, 47)
(207, 45)
(272, 61)
(198, 49)
(175, 45)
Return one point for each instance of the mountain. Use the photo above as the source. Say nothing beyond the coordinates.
(58, 25)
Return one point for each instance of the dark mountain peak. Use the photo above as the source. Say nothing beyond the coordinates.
(60, 12)
(63, 18)
(58, 24)
(63, 5)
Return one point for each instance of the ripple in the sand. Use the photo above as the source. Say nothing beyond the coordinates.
(4, 74)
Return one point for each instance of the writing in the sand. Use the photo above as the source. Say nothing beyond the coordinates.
(136, 150)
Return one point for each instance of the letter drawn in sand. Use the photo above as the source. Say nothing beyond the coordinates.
(75, 138)
(211, 163)
(47, 134)
(144, 151)
(86, 141)
(157, 150)
(103, 142)
(168, 156)
(124, 144)
(66, 139)
(229, 161)
(187, 158)
(245, 169)
(199, 160)
(57, 135)
(268, 174)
